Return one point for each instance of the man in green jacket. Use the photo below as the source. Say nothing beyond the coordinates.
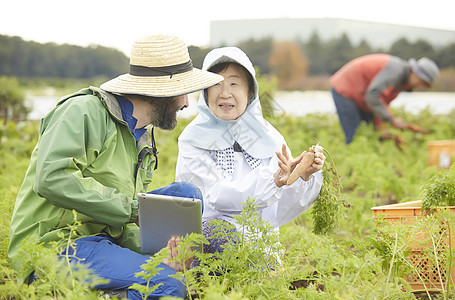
(93, 156)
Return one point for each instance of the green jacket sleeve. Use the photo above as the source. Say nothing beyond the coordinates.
(72, 139)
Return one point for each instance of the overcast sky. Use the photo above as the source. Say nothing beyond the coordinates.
(117, 24)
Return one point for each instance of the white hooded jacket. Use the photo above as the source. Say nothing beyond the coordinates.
(227, 178)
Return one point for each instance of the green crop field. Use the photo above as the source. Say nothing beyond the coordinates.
(333, 251)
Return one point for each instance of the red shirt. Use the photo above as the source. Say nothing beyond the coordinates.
(372, 80)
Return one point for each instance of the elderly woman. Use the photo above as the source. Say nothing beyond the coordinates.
(231, 152)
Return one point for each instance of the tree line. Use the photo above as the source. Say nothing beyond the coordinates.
(284, 65)
(19, 58)
(325, 57)
(297, 64)
(294, 63)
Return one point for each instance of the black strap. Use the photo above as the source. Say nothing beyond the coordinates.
(237, 147)
(144, 151)
(140, 159)
(154, 149)
(161, 71)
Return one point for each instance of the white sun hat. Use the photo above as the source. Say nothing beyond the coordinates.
(160, 66)
(425, 68)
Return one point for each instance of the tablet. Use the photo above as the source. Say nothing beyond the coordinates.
(162, 217)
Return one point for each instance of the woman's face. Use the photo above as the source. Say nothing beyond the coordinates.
(228, 99)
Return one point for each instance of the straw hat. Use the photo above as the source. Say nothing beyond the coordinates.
(160, 66)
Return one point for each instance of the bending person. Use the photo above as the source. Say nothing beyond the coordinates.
(363, 89)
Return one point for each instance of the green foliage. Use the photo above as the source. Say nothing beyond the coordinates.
(327, 209)
(52, 86)
(250, 264)
(30, 59)
(17, 141)
(267, 88)
(55, 276)
(439, 190)
(339, 50)
(390, 241)
(314, 49)
(166, 142)
(12, 98)
(406, 50)
(197, 55)
(335, 268)
(419, 249)
(259, 52)
(343, 265)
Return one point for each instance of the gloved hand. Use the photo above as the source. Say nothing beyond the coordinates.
(398, 123)
(416, 128)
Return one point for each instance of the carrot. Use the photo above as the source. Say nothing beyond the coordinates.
(416, 128)
(305, 163)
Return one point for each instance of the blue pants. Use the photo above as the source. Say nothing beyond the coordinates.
(119, 265)
(349, 114)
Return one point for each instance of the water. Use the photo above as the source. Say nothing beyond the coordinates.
(297, 103)
(302, 103)
(40, 105)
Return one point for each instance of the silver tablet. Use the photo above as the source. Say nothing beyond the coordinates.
(162, 217)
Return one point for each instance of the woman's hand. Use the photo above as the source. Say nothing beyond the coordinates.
(318, 162)
(285, 167)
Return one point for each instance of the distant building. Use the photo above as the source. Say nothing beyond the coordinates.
(377, 35)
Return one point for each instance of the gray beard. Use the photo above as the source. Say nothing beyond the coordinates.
(165, 116)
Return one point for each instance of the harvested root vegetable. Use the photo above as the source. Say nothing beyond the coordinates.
(305, 163)
(399, 142)
(416, 128)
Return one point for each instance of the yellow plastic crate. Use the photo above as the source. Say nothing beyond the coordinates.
(441, 153)
(407, 213)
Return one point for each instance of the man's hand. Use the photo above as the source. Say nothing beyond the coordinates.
(399, 123)
(170, 261)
